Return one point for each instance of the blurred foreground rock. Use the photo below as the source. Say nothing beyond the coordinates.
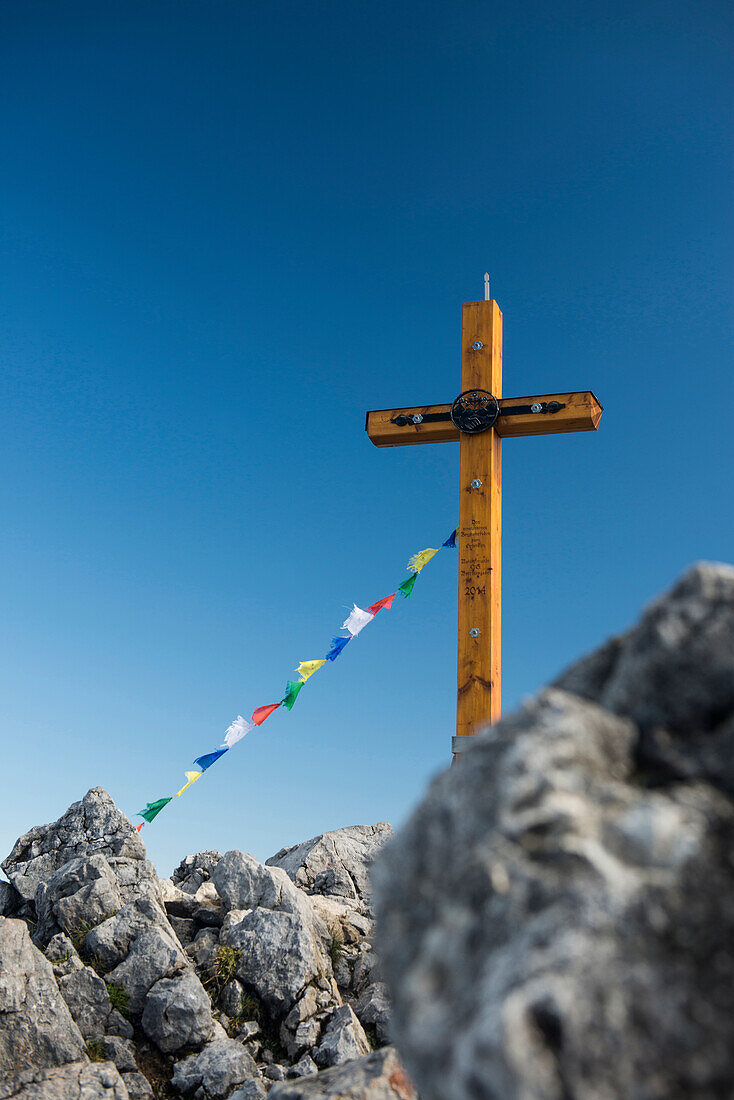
(557, 918)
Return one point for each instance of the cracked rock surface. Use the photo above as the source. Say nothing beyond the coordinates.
(556, 920)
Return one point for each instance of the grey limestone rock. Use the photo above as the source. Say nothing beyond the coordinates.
(304, 1067)
(177, 903)
(153, 955)
(221, 1066)
(36, 1027)
(193, 871)
(342, 1040)
(62, 955)
(83, 892)
(136, 948)
(92, 825)
(336, 862)
(372, 1009)
(556, 919)
(120, 1051)
(73, 1081)
(185, 929)
(377, 1076)
(138, 1087)
(177, 1013)
(673, 675)
(112, 941)
(10, 900)
(251, 1090)
(203, 948)
(244, 883)
(230, 999)
(86, 996)
(279, 956)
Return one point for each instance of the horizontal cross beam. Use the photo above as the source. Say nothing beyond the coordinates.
(581, 412)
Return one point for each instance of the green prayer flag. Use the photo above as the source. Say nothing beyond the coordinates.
(153, 809)
(291, 692)
(407, 586)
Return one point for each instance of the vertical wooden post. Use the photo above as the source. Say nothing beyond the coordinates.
(480, 529)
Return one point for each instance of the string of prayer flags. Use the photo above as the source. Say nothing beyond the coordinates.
(384, 604)
(357, 620)
(420, 559)
(209, 758)
(407, 586)
(291, 693)
(307, 668)
(259, 714)
(152, 809)
(192, 777)
(337, 645)
(237, 731)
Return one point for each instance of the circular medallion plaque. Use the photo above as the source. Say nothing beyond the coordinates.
(475, 411)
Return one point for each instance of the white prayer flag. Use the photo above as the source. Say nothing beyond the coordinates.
(357, 620)
(237, 731)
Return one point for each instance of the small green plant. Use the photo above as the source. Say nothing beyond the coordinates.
(371, 1033)
(336, 944)
(250, 1008)
(222, 969)
(78, 935)
(95, 1051)
(118, 998)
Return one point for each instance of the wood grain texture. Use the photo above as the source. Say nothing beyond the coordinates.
(480, 530)
(582, 413)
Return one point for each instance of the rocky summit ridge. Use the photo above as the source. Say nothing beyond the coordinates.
(230, 980)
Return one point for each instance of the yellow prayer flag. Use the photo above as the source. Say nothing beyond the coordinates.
(307, 668)
(192, 777)
(420, 559)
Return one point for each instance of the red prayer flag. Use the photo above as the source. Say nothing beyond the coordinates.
(259, 714)
(139, 827)
(386, 603)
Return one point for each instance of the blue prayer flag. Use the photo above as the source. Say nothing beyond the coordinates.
(450, 541)
(337, 645)
(209, 758)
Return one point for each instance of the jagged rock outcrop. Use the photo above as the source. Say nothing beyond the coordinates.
(217, 982)
(379, 1076)
(90, 826)
(81, 893)
(220, 1067)
(193, 871)
(556, 920)
(36, 1027)
(85, 993)
(177, 1013)
(335, 863)
(73, 1081)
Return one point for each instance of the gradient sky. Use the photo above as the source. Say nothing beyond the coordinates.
(228, 230)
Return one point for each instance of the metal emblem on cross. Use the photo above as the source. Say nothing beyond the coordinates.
(479, 419)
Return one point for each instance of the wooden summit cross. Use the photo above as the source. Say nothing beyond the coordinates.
(480, 419)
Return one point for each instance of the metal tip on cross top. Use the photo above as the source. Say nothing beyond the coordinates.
(478, 420)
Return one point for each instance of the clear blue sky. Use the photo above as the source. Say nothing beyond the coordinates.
(229, 229)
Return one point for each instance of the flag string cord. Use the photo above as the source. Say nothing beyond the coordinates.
(356, 621)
